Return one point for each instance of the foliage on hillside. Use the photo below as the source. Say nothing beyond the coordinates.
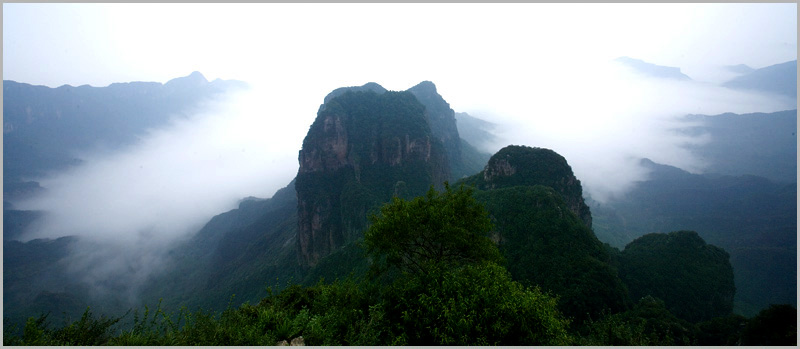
(752, 218)
(435, 230)
(545, 244)
(527, 166)
(460, 301)
(453, 302)
(695, 280)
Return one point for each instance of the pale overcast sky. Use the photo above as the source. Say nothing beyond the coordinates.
(394, 44)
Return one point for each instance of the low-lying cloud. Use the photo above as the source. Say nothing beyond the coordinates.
(129, 206)
(604, 118)
(175, 178)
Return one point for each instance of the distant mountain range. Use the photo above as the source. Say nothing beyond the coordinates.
(44, 128)
(779, 79)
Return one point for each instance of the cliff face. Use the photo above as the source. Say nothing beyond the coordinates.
(521, 165)
(442, 121)
(366, 145)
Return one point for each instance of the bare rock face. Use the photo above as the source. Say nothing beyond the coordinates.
(521, 165)
(330, 152)
(365, 143)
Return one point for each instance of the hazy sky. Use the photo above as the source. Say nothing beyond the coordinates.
(397, 45)
(541, 71)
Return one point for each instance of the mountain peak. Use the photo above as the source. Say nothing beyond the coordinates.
(424, 87)
(370, 86)
(194, 79)
(517, 165)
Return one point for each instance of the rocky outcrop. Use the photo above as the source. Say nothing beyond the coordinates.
(364, 144)
(522, 165)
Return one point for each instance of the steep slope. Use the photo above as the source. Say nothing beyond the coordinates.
(442, 122)
(779, 79)
(236, 253)
(546, 244)
(362, 148)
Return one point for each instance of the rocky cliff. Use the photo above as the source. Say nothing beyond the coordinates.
(442, 121)
(366, 145)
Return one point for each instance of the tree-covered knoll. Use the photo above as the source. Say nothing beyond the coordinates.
(522, 165)
(694, 279)
(528, 166)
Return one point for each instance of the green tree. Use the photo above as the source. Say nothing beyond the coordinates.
(448, 228)
(475, 304)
